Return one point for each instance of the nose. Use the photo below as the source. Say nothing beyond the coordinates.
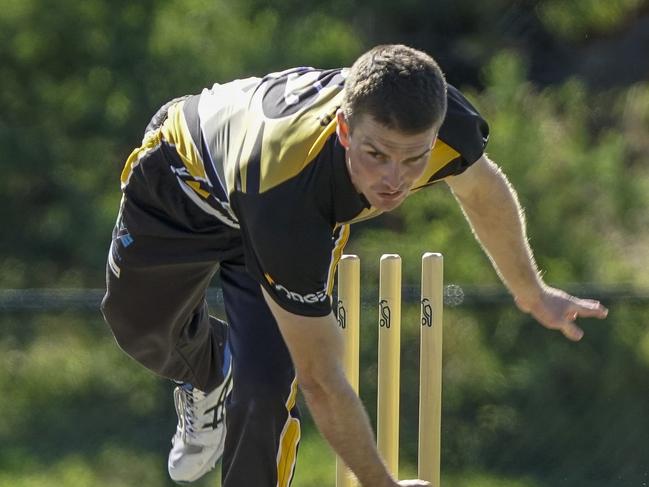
(392, 178)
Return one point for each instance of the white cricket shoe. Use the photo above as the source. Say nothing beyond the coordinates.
(200, 434)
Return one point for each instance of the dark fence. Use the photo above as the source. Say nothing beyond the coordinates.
(83, 300)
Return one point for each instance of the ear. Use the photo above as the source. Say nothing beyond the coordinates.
(342, 129)
(435, 139)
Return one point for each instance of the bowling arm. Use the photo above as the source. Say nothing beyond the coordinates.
(315, 345)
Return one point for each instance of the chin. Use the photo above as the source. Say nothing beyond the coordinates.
(387, 205)
(393, 206)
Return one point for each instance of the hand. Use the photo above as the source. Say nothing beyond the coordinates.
(558, 310)
(414, 483)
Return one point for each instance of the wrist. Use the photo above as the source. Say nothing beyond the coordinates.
(380, 477)
(529, 298)
(389, 481)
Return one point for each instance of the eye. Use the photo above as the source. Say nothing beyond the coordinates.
(416, 160)
(412, 162)
(375, 155)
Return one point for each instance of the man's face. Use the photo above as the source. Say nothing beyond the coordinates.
(384, 163)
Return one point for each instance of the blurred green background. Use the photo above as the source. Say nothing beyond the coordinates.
(564, 85)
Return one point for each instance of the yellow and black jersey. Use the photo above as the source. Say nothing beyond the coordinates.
(262, 155)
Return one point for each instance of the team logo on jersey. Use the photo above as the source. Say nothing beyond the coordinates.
(317, 297)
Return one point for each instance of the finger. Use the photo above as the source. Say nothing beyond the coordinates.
(588, 308)
(571, 331)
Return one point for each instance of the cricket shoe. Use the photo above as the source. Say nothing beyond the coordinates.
(200, 434)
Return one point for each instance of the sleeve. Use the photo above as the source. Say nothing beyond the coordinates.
(288, 249)
(464, 130)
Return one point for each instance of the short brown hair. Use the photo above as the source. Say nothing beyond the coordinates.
(400, 87)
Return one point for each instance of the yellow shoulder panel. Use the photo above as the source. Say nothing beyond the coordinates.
(441, 155)
(290, 144)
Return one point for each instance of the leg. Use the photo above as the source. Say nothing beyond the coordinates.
(164, 252)
(159, 316)
(158, 269)
(262, 416)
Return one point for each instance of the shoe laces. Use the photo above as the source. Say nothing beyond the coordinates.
(188, 404)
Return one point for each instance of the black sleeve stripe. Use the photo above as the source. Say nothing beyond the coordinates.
(218, 188)
(253, 169)
(190, 111)
(237, 168)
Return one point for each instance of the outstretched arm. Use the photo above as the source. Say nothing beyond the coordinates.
(315, 345)
(491, 206)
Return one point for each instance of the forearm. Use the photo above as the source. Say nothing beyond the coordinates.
(498, 223)
(342, 420)
(491, 207)
(316, 346)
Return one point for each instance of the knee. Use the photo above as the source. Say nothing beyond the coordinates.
(116, 317)
(128, 329)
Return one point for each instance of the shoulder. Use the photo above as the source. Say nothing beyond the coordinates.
(464, 129)
(291, 116)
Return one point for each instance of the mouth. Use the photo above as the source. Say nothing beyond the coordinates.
(390, 195)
